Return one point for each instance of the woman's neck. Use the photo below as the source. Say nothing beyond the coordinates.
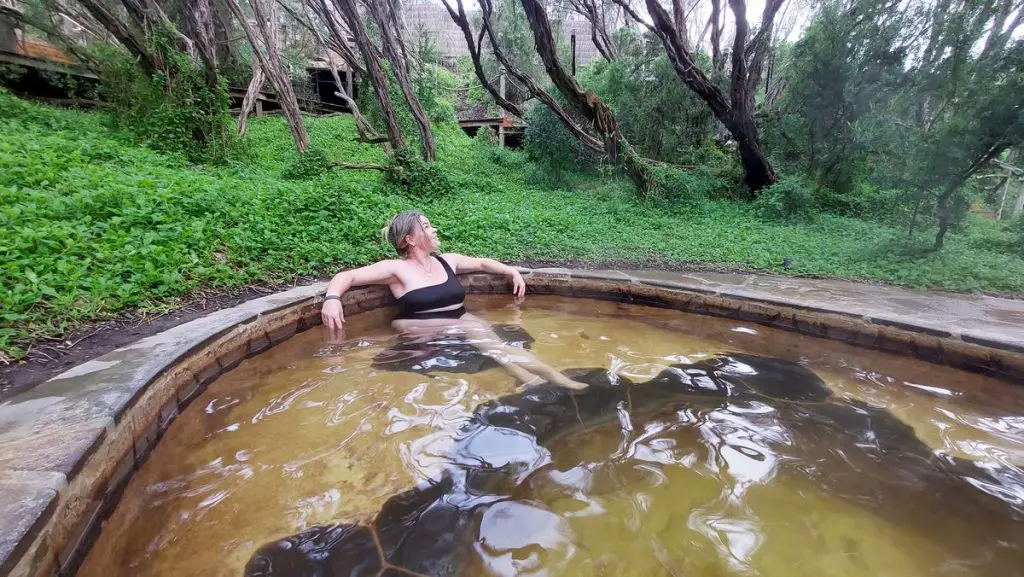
(421, 257)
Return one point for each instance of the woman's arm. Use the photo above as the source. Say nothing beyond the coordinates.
(463, 264)
(382, 272)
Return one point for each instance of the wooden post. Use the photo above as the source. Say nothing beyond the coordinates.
(1002, 196)
(259, 106)
(349, 89)
(501, 126)
(572, 41)
(1018, 206)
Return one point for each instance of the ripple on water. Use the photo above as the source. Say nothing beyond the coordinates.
(909, 469)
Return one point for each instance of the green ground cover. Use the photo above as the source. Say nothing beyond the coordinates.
(92, 225)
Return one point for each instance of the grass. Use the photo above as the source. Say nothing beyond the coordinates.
(92, 225)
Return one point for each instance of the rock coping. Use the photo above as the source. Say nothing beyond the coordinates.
(69, 445)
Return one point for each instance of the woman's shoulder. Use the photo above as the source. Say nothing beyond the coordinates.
(451, 259)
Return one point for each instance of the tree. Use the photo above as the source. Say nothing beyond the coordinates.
(735, 108)
(395, 51)
(588, 104)
(371, 57)
(266, 50)
(596, 13)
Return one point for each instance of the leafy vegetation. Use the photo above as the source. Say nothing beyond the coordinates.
(92, 224)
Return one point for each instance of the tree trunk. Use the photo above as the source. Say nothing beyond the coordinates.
(120, 31)
(460, 19)
(586, 102)
(222, 35)
(736, 112)
(377, 79)
(1018, 206)
(532, 86)
(943, 208)
(363, 127)
(757, 171)
(251, 94)
(394, 53)
(199, 18)
(266, 51)
(338, 38)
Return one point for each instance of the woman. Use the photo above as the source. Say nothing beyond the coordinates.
(430, 297)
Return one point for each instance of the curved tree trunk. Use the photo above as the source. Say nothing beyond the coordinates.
(474, 47)
(264, 48)
(736, 111)
(392, 46)
(586, 102)
(371, 57)
(250, 97)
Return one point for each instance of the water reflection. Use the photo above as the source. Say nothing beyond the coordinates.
(683, 459)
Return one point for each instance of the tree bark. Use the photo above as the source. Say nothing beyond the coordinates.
(131, 40)
(251, 93)
(535, 90)
(222, 35)
(392, 46)
(717, 62)
(377, 79)
(586, 102)
(736, 112)
(473, 45)
(266, 51)
(199, 19)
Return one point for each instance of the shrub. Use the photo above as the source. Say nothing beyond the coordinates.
(553, 150)
(308, 166)
(417, 178)
(690, 187)
(789, 199)
(170, 112)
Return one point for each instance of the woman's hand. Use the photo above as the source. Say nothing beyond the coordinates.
(332, 314)
(518, 284)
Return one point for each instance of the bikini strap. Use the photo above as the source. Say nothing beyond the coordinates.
(444, 263)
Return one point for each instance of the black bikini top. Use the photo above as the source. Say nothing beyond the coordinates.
(428, 298)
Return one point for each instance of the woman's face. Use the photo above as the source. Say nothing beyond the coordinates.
(428, 235)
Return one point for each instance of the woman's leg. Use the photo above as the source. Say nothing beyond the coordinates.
(521, 363)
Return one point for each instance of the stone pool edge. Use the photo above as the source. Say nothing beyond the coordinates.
(69, 445)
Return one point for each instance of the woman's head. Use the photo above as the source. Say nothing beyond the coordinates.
(410, 229)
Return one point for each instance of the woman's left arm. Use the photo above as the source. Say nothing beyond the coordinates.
(463, 264)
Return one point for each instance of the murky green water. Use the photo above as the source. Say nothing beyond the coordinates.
(907, 469)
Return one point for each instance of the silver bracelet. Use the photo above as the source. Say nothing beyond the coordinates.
(330, 297)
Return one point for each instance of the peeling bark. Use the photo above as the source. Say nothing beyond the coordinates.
(255, 84)
(371, 57)
(392, 47)
(586, 102)
(264, 42)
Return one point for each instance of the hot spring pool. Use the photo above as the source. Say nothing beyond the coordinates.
(704, 447)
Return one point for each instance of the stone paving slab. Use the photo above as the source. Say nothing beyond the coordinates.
(50, 430)
(986, 320)
(24, 500)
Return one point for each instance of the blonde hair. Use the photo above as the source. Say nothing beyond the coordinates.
(400, 226)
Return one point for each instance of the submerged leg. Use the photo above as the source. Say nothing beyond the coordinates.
(520, 363)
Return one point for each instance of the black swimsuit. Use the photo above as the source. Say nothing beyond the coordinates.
(412, 304)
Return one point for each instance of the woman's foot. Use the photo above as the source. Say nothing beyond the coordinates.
(568, 383)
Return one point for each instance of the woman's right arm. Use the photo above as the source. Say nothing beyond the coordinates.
(382, 272)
